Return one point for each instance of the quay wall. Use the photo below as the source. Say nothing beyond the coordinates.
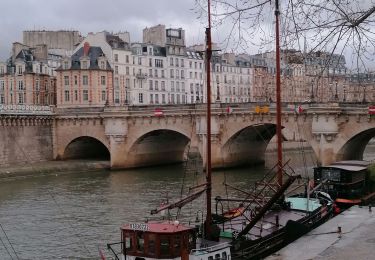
(25, 143)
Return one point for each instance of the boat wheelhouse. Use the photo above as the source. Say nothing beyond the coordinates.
(168, 240)
(347, 182)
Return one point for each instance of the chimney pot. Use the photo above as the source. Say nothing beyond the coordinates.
(86, 48)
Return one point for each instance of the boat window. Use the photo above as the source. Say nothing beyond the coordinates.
(210, 258)
(177, 245)
(164, 246)
(191, 241)
(224, 256)
(140, 242)
(217, 257)
(331, 174)
(151, 244)
(128, 241)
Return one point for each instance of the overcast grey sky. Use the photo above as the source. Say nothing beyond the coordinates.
(95, 15)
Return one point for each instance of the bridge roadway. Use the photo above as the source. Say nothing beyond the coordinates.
(134, 136)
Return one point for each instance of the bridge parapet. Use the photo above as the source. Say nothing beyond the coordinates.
(26, 110)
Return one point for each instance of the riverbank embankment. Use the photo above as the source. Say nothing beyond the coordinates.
(51, 167)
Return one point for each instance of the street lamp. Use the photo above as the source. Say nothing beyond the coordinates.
(364, 94)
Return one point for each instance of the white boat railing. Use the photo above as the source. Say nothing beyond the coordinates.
(210, 248)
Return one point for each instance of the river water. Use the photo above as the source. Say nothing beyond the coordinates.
(70, 215)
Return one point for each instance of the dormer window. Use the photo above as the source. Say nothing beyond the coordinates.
(19, 70)
(66, 65)
(102, 65)
(84, 65)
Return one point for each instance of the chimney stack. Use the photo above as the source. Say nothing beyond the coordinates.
(86, 48)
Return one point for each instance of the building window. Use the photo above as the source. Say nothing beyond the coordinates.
(151, 98)
(76, 95)
(172, 85)
(21, 98)
(85, 80)
(171, 61)
(117, 97)
(102, 80)
(163, 85)
(2, 85)
(156, 85)
(37, 85)
(157, 98)
(66, 65)
(140, 97)
(116, 83)
(67, 96)
(104, 96)
(172, 98)
(116, 69)
(151, 85)
(116, 57)
(139, 61)
(2, 99)
(102, 65)
(85, 95)
(158, 63)
(163, 98)
(84, 65)
(19, 70)
(162, 73)
(172, 73)
(183, 86)
(66, 80)
(127, 71)
(150, 62)
(20, 85)
(75, 80)
(127, 58)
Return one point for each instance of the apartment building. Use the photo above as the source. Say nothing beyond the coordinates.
(85, 79)
(26, 78)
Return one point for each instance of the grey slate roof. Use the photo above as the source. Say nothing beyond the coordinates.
(94, 54)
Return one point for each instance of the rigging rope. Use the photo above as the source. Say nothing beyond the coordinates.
(2, 242)
(8, 240)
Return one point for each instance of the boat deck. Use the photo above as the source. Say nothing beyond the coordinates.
(356, 240)
(265, 226)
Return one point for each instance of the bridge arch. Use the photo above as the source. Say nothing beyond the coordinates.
(158, 147)
(354, 147)
(248, 145)
(86, 147)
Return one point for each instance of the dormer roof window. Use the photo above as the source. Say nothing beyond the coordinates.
(19, 69)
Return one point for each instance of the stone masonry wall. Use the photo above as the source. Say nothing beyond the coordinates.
(26, 142)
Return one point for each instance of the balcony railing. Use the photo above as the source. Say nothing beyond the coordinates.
(141, 76)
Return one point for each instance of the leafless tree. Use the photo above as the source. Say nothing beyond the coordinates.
(338, 26)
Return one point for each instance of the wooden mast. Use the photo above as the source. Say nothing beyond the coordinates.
(278, 100)
(208, 135)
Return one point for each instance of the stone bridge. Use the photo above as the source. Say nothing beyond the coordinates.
(137, 136)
